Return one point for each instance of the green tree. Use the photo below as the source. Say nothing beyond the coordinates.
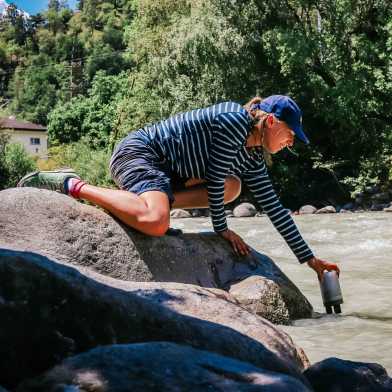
(119, 64)
(13, 25)
(94, 117)
(334, 56)
(37, 88)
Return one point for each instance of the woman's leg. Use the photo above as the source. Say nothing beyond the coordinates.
(196, 196)
(148, 213)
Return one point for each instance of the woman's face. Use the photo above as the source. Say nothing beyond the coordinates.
(276, 134)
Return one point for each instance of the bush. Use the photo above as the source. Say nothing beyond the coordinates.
(92, 165)
(3, 168)
(14, 164)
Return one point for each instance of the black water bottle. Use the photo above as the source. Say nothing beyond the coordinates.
(331, 292)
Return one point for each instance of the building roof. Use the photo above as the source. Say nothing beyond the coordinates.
(12, 123)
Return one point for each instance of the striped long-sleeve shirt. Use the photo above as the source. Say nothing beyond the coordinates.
(210, 144)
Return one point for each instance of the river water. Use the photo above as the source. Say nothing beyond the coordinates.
(362, 246)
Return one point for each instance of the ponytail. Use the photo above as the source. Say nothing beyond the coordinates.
(255, 114)
(249, 106)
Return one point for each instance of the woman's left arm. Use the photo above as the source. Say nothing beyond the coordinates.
(259, 183)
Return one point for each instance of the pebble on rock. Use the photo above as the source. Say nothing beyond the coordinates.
(178, 213)
(326, 210)
(244, 210)
(307, 209)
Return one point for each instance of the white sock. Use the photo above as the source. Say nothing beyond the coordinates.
(71, 182)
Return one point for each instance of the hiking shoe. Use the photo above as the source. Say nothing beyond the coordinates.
(54, 180)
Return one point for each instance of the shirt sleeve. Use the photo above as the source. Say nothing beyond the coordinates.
(260, 185)
(229, 134)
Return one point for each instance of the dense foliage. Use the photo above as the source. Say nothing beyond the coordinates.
(115, 65)
(14, 163)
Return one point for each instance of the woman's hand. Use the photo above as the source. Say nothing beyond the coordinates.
(320, 265)
(239, 245)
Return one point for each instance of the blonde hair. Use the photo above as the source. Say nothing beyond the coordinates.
(257, 115)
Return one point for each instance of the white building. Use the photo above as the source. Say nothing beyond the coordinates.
(33, 137)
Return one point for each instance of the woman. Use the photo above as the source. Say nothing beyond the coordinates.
(192, 160)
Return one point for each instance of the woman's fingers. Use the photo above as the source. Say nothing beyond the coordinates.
(325, 265)
(336, 268)
(330, 266)
(239, 246)
(243, 247)
(234, 245)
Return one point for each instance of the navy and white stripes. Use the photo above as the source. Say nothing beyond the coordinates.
(210, 144)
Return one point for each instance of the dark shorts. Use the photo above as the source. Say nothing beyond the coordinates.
(137, 168)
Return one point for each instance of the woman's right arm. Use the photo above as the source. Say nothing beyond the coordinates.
(229, 134)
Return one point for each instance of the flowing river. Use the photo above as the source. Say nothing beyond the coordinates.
(362, 246)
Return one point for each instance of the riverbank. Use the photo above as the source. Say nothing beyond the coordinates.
(248, 210)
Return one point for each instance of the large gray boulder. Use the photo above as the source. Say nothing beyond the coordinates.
(326, 210)
(388, 209)
(307, 209)
(178, 213)
(244, 210)
(339, 375)
(57, 226)
(50, 311)
(382, 197)
(159, 366)
(263, 297)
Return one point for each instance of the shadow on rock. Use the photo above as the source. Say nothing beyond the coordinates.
(338, 375)
(51, 311)
(159, 366)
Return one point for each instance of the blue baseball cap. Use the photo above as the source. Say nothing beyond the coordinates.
(284, 108)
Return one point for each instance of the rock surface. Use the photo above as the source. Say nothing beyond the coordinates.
(244, 210)
(378, 206)
(338, 375)
(262, 296)
(308, 209)
(58, 226)
(372, 189)
(159, 366)
(383, 197)
(344, 211)
(326, 210)
(178, 213)
(200, 212)
(348, 206)
(50, 311)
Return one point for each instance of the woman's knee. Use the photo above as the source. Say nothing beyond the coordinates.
(156, 216)
(232, 188)
(155, 221)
